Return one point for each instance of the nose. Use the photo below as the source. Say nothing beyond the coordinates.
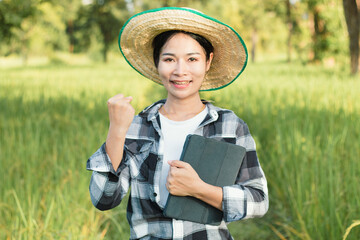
(181, 68)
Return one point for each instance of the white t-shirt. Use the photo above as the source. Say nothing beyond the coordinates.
(171, 144)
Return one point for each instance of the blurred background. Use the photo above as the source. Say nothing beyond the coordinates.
(306, 30)
(59, 63)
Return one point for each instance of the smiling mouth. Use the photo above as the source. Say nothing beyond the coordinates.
(180, 82)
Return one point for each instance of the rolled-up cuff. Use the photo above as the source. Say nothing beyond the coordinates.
(234, 203)
(100, 162)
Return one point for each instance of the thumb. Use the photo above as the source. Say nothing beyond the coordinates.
(177, 163)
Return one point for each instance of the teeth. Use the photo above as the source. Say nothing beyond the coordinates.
(181, 83)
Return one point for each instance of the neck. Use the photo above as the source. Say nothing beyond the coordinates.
(180, 110)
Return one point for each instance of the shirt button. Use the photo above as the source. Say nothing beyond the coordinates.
(213, 113)
(155, 194)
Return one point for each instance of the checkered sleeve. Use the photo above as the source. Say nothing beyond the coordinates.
(248, 197)
(107, 186)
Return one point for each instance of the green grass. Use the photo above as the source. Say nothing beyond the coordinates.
(305, 120)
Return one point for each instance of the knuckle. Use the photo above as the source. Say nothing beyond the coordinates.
(171, 173)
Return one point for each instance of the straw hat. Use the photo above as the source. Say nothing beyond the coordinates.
(137, 34)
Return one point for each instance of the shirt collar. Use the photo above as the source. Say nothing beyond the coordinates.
(151, 112)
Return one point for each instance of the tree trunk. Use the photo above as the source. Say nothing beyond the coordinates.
(70, 31)
(254, 40)
(316, 37)
(290, 28)
(352, 22)
(105, 51)
(358, 8)
(319, 31)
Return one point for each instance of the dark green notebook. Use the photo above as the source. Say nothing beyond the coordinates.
(217, 163)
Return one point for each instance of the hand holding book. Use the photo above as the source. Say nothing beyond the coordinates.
(217, 164)
(184, 181)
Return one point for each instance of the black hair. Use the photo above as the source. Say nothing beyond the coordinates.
(160, 40)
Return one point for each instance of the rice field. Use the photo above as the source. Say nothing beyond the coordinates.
(304, 118)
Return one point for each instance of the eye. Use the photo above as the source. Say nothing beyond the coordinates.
(192, 59)
(168, 60)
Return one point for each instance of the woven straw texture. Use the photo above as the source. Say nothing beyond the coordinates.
(230, 54)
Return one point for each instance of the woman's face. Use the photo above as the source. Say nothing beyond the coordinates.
(182, 66)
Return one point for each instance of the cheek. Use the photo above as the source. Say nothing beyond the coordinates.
(164, 74)
(200, 70)
(161, 70)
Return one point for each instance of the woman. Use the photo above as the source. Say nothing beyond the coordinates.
(185, 51)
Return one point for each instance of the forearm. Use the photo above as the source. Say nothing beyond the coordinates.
(210, 194)
(184, 181)
(248, 197)
(121, 114)
(107, 187)
(245, 200)
(115, 145)
(106, 195)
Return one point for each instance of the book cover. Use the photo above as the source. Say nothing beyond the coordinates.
(217, 163)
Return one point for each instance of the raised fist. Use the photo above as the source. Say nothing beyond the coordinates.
(121, 112)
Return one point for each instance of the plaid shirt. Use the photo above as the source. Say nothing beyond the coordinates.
(141, 167)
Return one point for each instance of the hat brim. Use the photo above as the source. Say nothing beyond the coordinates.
(136, 36)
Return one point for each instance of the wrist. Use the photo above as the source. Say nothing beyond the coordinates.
(200, 189)
(117, 131)
(210, 194)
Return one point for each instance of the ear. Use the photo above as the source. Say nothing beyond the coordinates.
(208, 62)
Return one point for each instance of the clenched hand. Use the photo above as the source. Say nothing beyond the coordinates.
(121, 114)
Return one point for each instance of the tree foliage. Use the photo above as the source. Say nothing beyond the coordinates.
(310, 30)
(31, 26)
(107, 16)
(13, 13)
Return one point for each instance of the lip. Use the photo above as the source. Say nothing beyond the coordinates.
(180, 83)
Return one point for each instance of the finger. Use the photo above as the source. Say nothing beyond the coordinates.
(178, 164)
(115, 98)
(120, 98)
(119, 95)
(128, 99)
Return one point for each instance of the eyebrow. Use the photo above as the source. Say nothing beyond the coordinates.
(188, 54)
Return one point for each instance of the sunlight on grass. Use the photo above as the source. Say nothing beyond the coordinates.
(53, 117)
